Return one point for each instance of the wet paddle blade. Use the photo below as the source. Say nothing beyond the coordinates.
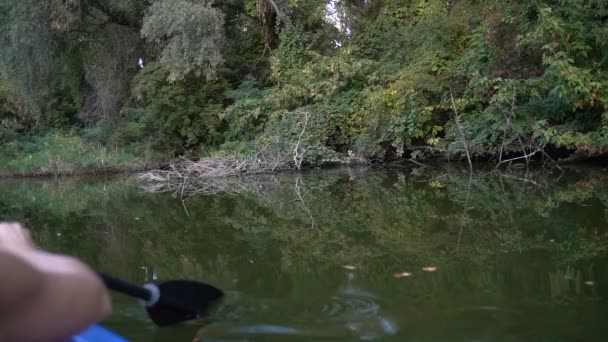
(182, 301)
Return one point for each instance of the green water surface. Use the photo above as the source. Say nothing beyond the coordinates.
(320, 256)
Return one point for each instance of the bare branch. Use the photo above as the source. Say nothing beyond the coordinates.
(298, 156)
(525, 156)
(461, 130)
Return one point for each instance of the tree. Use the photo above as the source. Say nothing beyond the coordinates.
(190, 35)
(25, 59)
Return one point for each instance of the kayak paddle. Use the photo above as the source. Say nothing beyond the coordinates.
(170, 302)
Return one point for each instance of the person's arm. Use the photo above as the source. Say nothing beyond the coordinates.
(45, 297)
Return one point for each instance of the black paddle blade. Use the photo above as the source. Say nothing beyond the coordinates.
(181, 301)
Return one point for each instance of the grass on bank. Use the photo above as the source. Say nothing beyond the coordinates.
(66, 153)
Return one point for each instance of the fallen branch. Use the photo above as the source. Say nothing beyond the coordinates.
(526, 157)
(415, 162)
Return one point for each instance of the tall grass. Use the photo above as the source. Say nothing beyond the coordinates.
(62, 153)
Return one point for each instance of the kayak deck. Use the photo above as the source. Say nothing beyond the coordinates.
(97, 333)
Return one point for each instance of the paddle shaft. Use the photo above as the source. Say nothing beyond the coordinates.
(125, 287)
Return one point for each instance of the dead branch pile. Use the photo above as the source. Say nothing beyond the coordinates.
(209, 175)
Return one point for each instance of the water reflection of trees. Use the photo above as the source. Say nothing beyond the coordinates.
(510, 235)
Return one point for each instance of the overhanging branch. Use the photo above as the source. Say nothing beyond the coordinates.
(115, 16)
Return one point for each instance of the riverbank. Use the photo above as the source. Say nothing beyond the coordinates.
(217, 167)
(61, 154)
(64, 154)
(69, 155)
(104, 170)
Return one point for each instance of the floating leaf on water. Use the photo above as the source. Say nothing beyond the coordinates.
(589, 283)
(429, 269)
(401, 274)
(349, 267)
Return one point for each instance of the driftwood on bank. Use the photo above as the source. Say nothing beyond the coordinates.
(208, 175)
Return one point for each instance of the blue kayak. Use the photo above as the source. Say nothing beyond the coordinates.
(98, 334)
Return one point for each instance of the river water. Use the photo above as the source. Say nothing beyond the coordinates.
(396, 254)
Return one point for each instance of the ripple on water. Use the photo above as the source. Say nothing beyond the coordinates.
(359, 311)
(341, 308)
(352, 313)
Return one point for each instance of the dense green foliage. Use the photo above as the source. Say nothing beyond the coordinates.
(377, 79)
